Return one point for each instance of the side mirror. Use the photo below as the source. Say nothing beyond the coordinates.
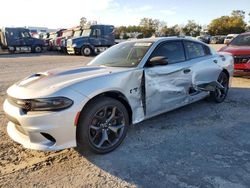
(158, 60)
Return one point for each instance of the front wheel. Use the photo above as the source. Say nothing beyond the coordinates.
(102, 125)
(220, 94)
(86, 51)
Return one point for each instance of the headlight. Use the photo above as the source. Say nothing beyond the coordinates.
(74, 45)
(45, 104)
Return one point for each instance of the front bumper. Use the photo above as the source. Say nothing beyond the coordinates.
(72, 50)
(41, 130)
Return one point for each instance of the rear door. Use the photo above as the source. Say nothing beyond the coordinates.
(167, 86)
(205, 70)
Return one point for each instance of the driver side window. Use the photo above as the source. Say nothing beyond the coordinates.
(97, 32)
(172, 50)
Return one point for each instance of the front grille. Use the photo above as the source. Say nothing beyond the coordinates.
(20, 103)
(69, 42)
(241, 59)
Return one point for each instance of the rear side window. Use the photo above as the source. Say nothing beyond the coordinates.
(195, 50)
(172, 50)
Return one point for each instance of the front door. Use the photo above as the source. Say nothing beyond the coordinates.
(167, 86)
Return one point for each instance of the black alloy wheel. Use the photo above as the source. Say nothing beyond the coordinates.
(102, 125)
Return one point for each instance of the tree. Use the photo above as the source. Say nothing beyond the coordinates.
(149, 26)
(238, 13)
(83, 21)
(192, 29)
(228, 24)
(171, 31)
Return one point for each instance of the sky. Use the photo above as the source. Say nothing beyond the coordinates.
(67, 13)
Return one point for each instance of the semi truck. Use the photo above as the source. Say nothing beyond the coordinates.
(93, 40)
(20, 40)
(68, 34)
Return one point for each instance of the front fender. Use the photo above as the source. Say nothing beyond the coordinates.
(128, 83)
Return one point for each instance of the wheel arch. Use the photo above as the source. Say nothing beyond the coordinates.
(115, 95)
(226, 72)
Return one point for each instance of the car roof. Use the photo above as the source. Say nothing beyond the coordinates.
(246, 33)
(162, 39)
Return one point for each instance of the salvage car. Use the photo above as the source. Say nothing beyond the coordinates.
(92, 107)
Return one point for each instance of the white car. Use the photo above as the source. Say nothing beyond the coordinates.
(91, 107)
(229, 38)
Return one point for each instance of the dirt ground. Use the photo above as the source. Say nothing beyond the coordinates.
(200, 145)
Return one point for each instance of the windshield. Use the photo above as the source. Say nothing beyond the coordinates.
(67, 33)
(241, 40)
(86, 32)
(77, 33)
(52, 36)
(127, 54)
(25, 34)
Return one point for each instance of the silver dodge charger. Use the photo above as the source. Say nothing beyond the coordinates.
(91, 107)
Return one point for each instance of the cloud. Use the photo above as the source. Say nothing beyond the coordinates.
(169, 12)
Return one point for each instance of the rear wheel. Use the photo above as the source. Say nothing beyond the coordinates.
(102, 125)
(86, 51)
(38, 49)
(220, 94)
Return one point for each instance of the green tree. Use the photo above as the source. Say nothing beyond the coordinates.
(238, 13)
(192, 28)
(149, 26)
(171, 31)
(228, 24)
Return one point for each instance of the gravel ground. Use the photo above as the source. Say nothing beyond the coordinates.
(200, 145)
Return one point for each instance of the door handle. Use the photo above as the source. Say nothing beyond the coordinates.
(186, 71)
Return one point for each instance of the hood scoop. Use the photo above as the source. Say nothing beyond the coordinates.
(33, 78)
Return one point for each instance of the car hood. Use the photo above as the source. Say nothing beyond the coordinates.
(49, 82)
(236, 50)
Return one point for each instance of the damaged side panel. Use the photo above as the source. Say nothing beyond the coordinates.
(205, 74)
(166, 88)
(126, 82)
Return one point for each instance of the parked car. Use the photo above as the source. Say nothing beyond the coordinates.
(229, 38)
(93, 40)
(239, 47)
(20, 40)
(92, 107)
(204, 38)
(218, 39)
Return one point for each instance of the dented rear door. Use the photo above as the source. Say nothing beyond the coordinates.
(205, 69)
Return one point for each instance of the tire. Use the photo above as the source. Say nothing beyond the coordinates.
(37, 49)
(86, 51)
(102, 125)
(219, 95)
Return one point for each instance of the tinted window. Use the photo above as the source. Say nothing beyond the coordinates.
(194, 49)
(172, 50)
